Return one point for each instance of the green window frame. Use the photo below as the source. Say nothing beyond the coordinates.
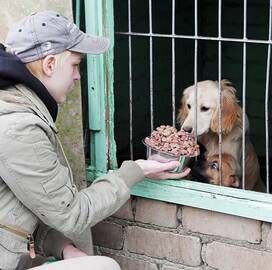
(249, 204)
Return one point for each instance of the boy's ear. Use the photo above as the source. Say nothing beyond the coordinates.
(49, 64)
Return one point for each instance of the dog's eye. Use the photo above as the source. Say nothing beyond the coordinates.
(189, 106)
(214, 166)
(204, 109)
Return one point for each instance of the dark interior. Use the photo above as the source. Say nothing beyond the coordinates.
(232, 64)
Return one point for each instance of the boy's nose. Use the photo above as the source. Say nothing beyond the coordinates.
(77, 76)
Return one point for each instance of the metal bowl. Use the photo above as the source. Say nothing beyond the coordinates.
(154, 154)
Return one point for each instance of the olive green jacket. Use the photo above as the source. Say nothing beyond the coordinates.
(36, 182)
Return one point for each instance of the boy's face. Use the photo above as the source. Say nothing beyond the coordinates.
(64, 77)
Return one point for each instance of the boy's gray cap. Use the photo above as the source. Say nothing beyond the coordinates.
(48, 32)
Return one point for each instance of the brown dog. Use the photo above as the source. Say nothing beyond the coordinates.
(211, 170)
(231, 125)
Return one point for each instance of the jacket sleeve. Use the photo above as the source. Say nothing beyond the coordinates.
(50, 242)
(30, 166)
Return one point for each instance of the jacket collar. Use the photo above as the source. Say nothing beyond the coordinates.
(37, 105)
(13, 71)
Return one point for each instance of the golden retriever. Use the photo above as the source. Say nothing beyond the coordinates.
(231, 125)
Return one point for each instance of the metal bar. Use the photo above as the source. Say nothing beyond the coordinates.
(195, 71)
(267, 98)
(151, 67)
(239, 40)
(173, 66)
(219, 88)
(244, 98)
(130, 84)
(78, 13)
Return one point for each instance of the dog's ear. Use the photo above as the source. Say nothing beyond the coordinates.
(231, 112)
(234, 181)
(183, 111)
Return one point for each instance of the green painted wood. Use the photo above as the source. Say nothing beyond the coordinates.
(247, 204)
(77, 17)
(96, 92)
(108, 13)
(92, 173)
(243, 203)
(221, 190)
(94, 62)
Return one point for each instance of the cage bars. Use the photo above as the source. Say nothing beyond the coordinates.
(130, 84)
(267, 98)
(195, 69)
(173, 66)
(192, 37)
(219, 39)
(220, 90)
(151, 67)
(244, 94)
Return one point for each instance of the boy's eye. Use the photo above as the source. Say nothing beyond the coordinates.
(214, 166)
(204, 109)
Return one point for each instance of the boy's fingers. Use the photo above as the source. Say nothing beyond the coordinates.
(177, 175)
(170, 165)
(158, 158)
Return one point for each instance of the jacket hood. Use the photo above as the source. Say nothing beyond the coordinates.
(13, 71)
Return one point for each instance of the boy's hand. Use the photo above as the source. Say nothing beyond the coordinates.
(71, 251)
(161, 170)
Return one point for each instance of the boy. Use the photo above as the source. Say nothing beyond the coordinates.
(38, 200)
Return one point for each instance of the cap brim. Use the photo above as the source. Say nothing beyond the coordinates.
(91, 44)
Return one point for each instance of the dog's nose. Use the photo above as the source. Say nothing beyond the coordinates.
(188, 129)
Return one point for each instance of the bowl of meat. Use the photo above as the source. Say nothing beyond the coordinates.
(165, 143)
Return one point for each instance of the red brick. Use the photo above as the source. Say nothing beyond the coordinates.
(133, 263)
(269, 236)
(178, 267)
(157, 213)
(125, 212)
(108, 235)
(164, 245)
(229, 257)
(214, 223)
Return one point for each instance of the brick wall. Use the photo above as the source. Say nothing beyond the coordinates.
(152, 235)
